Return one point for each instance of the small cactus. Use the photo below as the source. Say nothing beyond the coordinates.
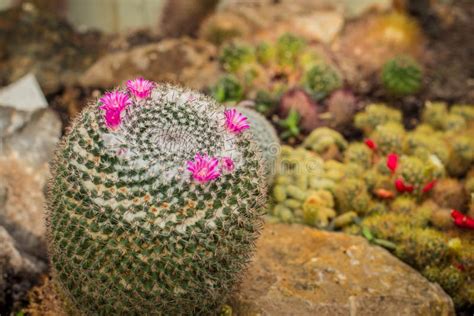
(374, 115)
(321, 79)
(401, 76)
(228, 88)
(234, 56)
(155, 203)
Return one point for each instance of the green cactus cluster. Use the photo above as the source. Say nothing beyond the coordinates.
(402, 76)
(131, 231)
(403, 205)
(274, 67)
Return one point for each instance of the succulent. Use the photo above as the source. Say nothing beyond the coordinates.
(389, 137)
(290, 125)
(288, 47)
(228, 88)
(266, 53)
(423, 247)
(449, 193)
(326, 142)
(403, 205)
(352, 195)
(318, 209)
(374, 115)
(265, 137)
(462, 153)
(299, 101)
(321, 79)
(464, 110)
(401, 76)
(234, 56)
(155, 203)
(434, 114)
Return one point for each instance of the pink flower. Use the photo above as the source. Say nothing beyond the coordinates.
(371, 144)
(227, 164)
(140, 87)
(115, 100)
(204, 168)
(429, 186)
(235, 121)
(113, 103)
(392, 162)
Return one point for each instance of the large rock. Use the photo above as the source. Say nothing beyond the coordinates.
(27, 140)
(302, 271)
(185, 61)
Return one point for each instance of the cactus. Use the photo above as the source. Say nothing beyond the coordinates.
(352, 195)
(265, 137)
(325, 141)
(228, 88)
(389, 137)
(434, 114)
(154, 205)
(318, 209)
(321, 79)
(374, 115)
(449, 193)
(462, 153)
(401, 76)
(288, 47)
(234, 56)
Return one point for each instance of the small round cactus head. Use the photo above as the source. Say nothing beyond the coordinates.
(321, 79)
(374, 115)
(155, 203)
(401, 76)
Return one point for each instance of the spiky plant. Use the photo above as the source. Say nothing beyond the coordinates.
(402, 76)
(321, 79)
(265, 135)
(154, 203)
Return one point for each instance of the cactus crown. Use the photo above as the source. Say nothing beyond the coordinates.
(154, 204)
(402, 76)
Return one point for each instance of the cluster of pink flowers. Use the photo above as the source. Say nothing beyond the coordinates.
(205, 168)
(115, 102)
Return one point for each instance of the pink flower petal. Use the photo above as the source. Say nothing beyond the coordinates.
(235, 121)
(227, 164)
(204, 168)
(392, 162)
(140, 87)
(371, 144)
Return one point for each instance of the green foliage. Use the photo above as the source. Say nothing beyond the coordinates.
(290, 125)
(228, 88)
(402, 76)
(321, 79)
(130, 231)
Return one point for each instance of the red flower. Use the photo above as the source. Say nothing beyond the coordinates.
(402, 187)
(461, 220)
(392, 162)
(429, 186)
(399, 185)
(371, 144)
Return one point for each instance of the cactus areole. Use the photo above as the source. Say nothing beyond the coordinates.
(154, 204)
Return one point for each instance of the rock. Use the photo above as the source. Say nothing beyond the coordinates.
(302, 271)
(40, 42)
(18, 271)
(27, 140)
(185, 61)
(223, 27)
(322, 26)
(24, 94)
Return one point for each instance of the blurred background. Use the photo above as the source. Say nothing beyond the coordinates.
(334, 58)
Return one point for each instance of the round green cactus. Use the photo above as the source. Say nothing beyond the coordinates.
(228, 88)
(288, 47)
(389, 138)
(360, 154)
(402, 76)
(154, 205)
(374, 115)
(321, 79)
(234, 56)
(266, 137)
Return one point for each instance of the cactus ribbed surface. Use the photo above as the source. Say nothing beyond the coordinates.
(136, 227)
(265, 135)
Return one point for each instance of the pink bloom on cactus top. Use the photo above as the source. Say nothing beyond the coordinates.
(140, 87)
(227, 164)
(235, 121)
(204, 168)
(371, 144)
(113, 103)
(115, 100)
